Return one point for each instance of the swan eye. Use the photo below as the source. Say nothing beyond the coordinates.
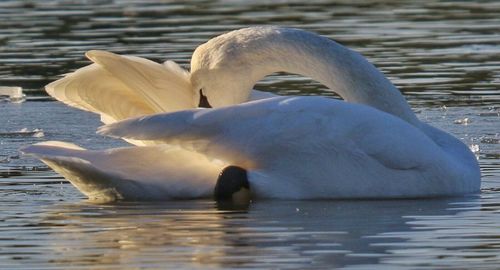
(203, 103)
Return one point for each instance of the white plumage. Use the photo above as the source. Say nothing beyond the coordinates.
(292, 147)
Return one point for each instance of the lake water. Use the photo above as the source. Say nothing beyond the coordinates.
(443, 55)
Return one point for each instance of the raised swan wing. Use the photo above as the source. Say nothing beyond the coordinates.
(120, 87)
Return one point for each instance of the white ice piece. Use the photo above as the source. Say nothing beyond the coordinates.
(13, 93)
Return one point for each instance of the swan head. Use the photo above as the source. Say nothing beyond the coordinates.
(217, 81)
(232, 185)
(225, 69)
(218, 88)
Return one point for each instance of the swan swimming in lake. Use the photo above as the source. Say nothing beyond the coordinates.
(369, 146)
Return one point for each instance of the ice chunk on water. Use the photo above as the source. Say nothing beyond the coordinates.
(37, 133)
(464, 121)
(24, 132)
(4, 159)
(12, 93)
(474, 148)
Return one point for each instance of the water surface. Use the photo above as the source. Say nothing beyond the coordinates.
(443, 55)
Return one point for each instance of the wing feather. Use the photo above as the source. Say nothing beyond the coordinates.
(93, 89)
(265, 131)
(164, 87)
(120, 87)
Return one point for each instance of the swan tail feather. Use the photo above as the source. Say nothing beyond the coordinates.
(130, 173)
(92, 182)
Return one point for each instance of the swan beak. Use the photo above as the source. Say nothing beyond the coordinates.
(232, 185)
(203, 103)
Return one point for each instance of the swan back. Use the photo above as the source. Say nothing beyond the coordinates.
(314, 147)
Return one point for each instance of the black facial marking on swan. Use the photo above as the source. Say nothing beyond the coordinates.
(203, 101)
(232, 184)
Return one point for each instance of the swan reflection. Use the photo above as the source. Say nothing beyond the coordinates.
(199, 234)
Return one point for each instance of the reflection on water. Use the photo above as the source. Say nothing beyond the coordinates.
(291, 234)
(444, 55)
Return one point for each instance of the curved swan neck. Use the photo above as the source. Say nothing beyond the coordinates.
(342, 70)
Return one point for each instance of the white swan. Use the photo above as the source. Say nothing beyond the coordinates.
(371, 146)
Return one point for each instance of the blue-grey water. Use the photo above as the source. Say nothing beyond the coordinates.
(443, 55)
